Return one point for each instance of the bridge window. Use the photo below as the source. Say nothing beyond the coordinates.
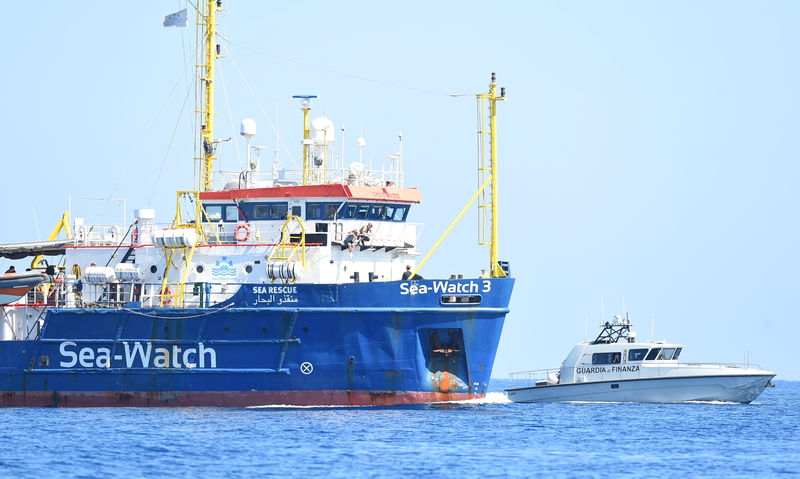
(265, 211)
(637, 354)
(666, 353)
(313, 211)
(400, 213)
(349, 211)
(375, 212)
(371, 211)
(652, 354)
(213, 213)
(607, 358)
(388, 213)
(231, 213)
(329, 211)
(677, 353)
(321, 211)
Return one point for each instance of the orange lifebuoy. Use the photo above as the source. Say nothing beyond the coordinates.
(242, 227)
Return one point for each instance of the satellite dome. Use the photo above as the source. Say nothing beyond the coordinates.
(323, 131)
(248, 128)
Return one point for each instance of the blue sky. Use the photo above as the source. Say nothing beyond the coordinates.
(649, 149)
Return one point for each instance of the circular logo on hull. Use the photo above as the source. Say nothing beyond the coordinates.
(306, 368)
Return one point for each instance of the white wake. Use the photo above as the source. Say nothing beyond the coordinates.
(490, 398)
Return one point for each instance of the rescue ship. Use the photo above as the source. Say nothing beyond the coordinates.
(267, 287)
(616, 367)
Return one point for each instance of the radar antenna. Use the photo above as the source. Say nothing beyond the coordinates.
(616, 332)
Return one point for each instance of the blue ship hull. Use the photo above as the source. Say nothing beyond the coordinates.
(303, 344)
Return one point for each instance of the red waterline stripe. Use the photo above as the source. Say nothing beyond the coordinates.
(224, 398)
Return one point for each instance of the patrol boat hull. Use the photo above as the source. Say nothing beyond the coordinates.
(742, 388)
(386, 343)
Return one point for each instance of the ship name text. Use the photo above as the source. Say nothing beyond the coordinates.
(445, 287)
(603, 369)
(138, 355)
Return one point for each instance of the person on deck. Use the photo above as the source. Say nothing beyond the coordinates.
(350, 241)
(407, 273)
(11, 270)
(365, 233)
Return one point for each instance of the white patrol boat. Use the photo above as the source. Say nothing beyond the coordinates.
(615, 367)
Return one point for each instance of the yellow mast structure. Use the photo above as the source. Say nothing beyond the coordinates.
(305, 105)
(207, 19)
(495, 271)
(487, 177)
(306, 144)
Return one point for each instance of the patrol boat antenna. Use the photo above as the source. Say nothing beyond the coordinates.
(616, 332)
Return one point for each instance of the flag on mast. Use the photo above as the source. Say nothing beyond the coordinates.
(177, 19)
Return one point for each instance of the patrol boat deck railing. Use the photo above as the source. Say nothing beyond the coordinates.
(533, 377)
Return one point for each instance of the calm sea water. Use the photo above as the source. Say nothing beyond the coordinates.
(491, 438)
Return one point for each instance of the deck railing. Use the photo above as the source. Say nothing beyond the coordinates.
(523, 379)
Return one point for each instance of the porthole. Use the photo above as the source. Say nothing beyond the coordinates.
(199, 268)
(153, 268)
(248, 269)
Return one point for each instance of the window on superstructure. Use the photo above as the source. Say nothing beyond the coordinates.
(278, 211)
(231, 213)
(322, 211)
(376, 212)
(213, 212)
(267, 211)
(607, 358)
(330, 210)
(371, 211)
(313, 211)
(260, 212)
(400, 213)
(348, 212)
(637, 354)
(666, 353)
(652, 354)
(677, 353)
(388, 213)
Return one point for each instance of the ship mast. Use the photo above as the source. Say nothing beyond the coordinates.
(207, 20)
(495, 269)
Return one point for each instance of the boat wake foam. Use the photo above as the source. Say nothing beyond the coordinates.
(319, 406)
(490, 398)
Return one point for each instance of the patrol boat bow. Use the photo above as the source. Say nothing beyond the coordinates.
(615, 367)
